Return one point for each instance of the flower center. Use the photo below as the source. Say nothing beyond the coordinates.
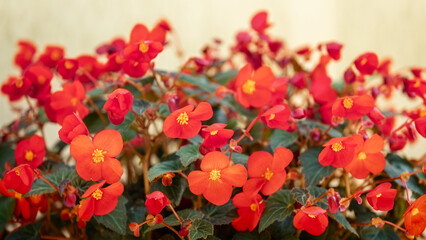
(41, 79)
(19, 83)
(18, 172)
(378, 195)
(213, 132)
(348, 103)
(363, 61)
(414, 211)
(68, 65)
(214, 174)
(253, 207)
(55, 55)
(337, 146)
(74, 101)
(98, 156)
(362, 156)
(29, 156)
(118, 59)
(312, 216)
(272, 116)
(97, 194)
(183, 118)
(249, 86)
(417, 84)
(268, 174)
(143, 47)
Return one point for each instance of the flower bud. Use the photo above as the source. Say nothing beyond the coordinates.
(349, 76)
(299, 113)
(151, 220)
(158, 219)
(167, 179)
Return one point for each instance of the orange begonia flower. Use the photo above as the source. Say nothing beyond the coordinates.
(339, 151)
(96, 160)
(186, 122)
(216, 178)
(30, 151)
(313, 220)
(98, 200)
(415, 216)
(267, 173)
(277, 117)
(368, 157)
(253, 89)
(216, 135)
(250, 209)
(353, 107)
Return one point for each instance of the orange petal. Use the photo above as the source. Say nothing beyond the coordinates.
(81, 148)
(109, 140)
(86, 209)
(374, 144)
(275, 183)
(214, 160)
(235, 175)
(198, 182)
(111, 170)
(375, 163)
(218, 192)
(258, 162)
(115, 189)
(244, 74)
(203, 112)
(264, 76)
(282, 158)
(92, 188)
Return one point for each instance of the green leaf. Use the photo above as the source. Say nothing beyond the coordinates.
(26, 232)
(7, 206)
(312, 169)
(200, 229)
(265, 235)
(395, 166)
(282, 138)
(173, 192)
(170, 164)
(56, 178)
(373, 233)
(189, 154)
(277, 207)
(117, 219)
(140, 106)
(344, 222)
(202, 82)
(95, 92)
(196, 140)
(224, 77)
(301, 195)
(183, 214)
(7, 154)
(238, 158)
(306, 127)
(124, 128)
(282, 228)
(316, 192)
(219, 215)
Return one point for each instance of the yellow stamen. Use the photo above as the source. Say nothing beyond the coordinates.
(417, 84)
(41, 79)
(422, 112)
(378, 195)
(253, 207)
(268, 174)
(214, 174)
(98, 155)
(118, 59)
(348, 103)
(29, 156)
(363, 61)
(18, 172)
(272, 116)
(74, 101)
(97, 194)
(213, 132)
(249, 86)
(18, 195)
(183, 118)
(143, 47)
(312, 216)
(362, 156)
(414, 211)
(19, 83)
(55, 55)
(68, 65)
(337, 146)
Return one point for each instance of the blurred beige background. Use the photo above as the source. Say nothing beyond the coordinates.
(391, 28)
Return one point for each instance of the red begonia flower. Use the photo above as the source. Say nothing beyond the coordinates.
(25, 54)
(253, 89)
(96, 160)
(368, 157)
(333, 50)
(67, 68)
(118, 105)
(216, 135)
(141, 33)
(367, 63)
(89, 68)
(186, 122)
(382, 197)
(415, 216)
(259, 22)
(279, 90)
(19, 178)
(16, 87)
(114, 63)
(420, 124)
(313, 220)
(267, 173)
(98, 200)
(30, 151)
(51, 56)
(143, 51)
(72, 126)
(277, 117)
(339, 151)
(353, 107)
(216, 178)
(40, 77)
(250, 209)
(134, 68)
(376, 116)
(68, 101)
(156, 202)
(397, 142)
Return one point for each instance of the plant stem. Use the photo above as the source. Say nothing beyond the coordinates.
(395, 226)
(247, 130)
(174, 230)
(174, 212)
(90, 101)
(48, 182)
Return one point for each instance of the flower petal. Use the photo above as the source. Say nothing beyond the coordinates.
(218, 192)
(197, 181)
(214, 160)
(109, 140)
(235, 175)
(111, 170)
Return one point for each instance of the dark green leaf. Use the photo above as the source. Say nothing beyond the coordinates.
(140, 106)
(301, 195)
(312, 169)
(173, 192)
(282, 138)
(41, 187)
(373, 233)
(344, 222)
(94, 123)
(124, 128)
(219, 215)
(172, 164)
(224, 77)
(202, 82)
(7, 206)
(200, 229)
(183, 214)
(7, 154)
(189, 154)
(117, 219)
(306, 127)
(238, 158)
(316, 192)
(282, 229)
(163, 109)
(26, 232)
(277, 207)
(196, 140)
(95, 92)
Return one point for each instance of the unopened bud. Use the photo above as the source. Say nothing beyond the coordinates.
(299, 113)
(167, 179)
(158, 219)
(151, 220)
(377, 222)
